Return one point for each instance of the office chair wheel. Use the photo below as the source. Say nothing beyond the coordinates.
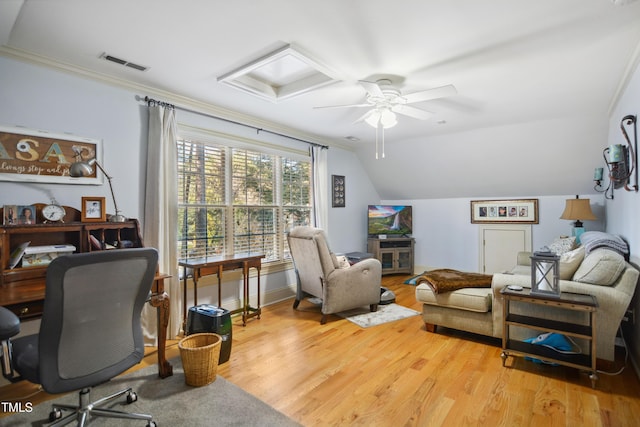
(152, 424)
(55, 414)
(132, 397)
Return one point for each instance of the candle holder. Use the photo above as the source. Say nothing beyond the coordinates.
(545, 274)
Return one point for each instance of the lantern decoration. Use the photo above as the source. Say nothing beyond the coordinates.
(545, 272)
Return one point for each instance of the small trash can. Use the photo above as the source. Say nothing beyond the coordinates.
(199, 354)
(217, 320)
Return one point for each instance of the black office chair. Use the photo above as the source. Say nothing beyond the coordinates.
(90, 329)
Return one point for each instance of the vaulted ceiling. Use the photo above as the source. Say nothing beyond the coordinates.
(546, 71)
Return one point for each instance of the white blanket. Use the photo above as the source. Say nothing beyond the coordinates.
(598, 239)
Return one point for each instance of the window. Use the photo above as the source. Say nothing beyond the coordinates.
(233, 200)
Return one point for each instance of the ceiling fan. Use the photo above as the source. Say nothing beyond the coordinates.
(385, 100)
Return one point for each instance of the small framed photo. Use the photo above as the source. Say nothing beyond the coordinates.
(9, 215)
(338, 187)
(93, 209)
(18, 215)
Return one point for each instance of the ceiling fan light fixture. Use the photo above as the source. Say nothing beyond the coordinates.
(384, 117)
(388, 119)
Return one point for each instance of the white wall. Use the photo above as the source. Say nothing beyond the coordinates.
(550, 157)
(38, 98)
(41, 98)
(348, 225)
(446, 238)
(623, 211)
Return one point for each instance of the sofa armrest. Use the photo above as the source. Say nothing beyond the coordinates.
(524, 258)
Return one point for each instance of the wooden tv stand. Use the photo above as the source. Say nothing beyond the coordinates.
(395, 253)
(22, 289)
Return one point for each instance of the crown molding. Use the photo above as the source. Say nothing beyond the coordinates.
(170, 97)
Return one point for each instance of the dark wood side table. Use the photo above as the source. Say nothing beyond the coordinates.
(216, 265)
(160, 300)
(566, 301)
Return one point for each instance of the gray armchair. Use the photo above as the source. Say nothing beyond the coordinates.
(90, 330)
(318, 274)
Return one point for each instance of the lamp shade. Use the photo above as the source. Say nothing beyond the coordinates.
(81, 168)
(578, 210)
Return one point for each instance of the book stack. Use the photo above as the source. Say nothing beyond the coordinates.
(35, 256)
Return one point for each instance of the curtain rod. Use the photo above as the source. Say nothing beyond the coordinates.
(151, 101)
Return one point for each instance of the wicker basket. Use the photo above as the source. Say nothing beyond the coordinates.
(200, 354)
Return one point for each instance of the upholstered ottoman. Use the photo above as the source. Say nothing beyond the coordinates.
(467, 309)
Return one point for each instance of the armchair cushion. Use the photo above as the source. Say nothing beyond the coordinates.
(600, 267)
(569, 263)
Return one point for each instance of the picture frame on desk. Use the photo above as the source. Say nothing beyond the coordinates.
(93, 209)
(18, 215)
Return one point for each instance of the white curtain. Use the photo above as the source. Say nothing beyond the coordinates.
(161, 211)
(320, 215)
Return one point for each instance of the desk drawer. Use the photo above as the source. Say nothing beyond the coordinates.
(27, 310)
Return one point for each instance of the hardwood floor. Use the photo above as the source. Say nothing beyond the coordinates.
(398, 374)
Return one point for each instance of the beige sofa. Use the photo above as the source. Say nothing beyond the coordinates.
(603, 273)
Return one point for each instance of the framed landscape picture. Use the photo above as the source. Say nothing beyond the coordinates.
(504, 211)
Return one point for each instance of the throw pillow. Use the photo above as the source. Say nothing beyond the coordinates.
(343, 262)
(334, 259)
(569, 263)
(600, 267)
(562, 245)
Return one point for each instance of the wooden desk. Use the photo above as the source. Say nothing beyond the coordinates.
(22, 289)
(216, 265)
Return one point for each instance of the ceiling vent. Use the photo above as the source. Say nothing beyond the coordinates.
(126, 63)
(281, 74)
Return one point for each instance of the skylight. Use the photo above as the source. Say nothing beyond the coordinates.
(279, 75)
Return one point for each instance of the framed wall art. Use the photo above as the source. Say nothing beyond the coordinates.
(38, 156)
(504, 211)
(93, 209)
(338, 187)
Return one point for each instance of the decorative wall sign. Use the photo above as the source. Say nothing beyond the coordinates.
(37, 156)
(338, 187)
(504, 211)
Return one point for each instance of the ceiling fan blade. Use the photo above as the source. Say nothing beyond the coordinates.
(364, 117)
(343, 106)
(372, 88)
(426, 95)
(416, 113)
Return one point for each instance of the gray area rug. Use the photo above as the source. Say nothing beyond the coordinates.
(171, 402)
(385, 314)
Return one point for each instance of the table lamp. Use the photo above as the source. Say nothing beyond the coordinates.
(578, 210)
(82, 168)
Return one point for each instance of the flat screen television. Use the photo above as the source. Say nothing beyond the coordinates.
(389, 219)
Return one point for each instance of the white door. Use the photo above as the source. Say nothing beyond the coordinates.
(500, 244)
